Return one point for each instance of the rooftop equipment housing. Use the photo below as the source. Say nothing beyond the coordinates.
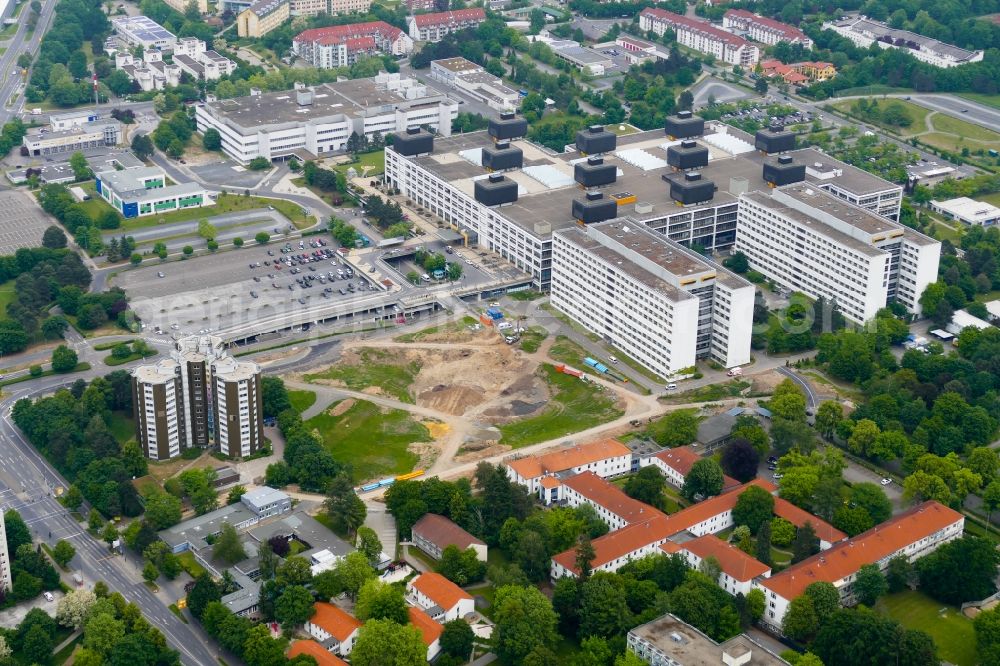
(774, 139)
(594, 208)
(507, 127)
(690, 189)
(688, 155)
(594, 172)
(783, 171)
(502, 157)
(684, 125)
(595, 140)
(495, 190)
(414, 141)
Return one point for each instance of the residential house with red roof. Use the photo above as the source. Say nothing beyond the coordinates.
(739, 571)
(433, 533)
(342, 45)
(440, 598)
(322, 656)
(430, 631)
(433, 27)
(676, 463)
(606, 458)
(701, 36)
(612, 505)
(912, 534)
(763, 29)
(335, 629)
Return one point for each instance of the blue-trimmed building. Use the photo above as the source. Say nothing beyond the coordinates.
(144, 191)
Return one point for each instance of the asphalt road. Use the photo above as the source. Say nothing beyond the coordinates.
(26, 484)
(220, 222)
(10, 77)
(976, 113)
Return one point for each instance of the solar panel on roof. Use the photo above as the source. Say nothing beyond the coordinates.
(548, 176)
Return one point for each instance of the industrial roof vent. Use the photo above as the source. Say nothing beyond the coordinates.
(594, 208)
(684, 125)
(688, 155)
(594, 172)
(507, 127)
(595, 140)
(495, 190)
(691, 189)
(413, 142)
(502, 157)
(783, 171)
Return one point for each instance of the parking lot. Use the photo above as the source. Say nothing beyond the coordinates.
(22, 222)
(228, 174)
(217, 292)
(478, 266)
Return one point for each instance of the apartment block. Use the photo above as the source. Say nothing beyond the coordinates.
(912, 534)
(91, 134)
(701, 36)
(737, 571)
(262, 17)
(607, 458)
(151, 72)
(674, 464)
(182, 5)
(433, 27)
(142, 191)
(199, 397)
(659, 302)
(763, 29)
(335, 629)
(810, 241)
(440, 598)
(158, 409)
(342, 45)
(193, 56)
(612, 505)
(6, 584)
(864, 32)
(314, 122)
(332, 7)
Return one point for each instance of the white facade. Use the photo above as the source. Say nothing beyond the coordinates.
(808, 241)
(472, 79)
(342, 648)
(434, 27)
(151, 73)
(194, 57)
(730, 584)
(271, 125)
(864, 32)
(6, 584)
(340, 46)
(144, 32)
(433, 607)
(657, 301)
(606, 459)
(701, 36)
(94, 134)
(968, 210)
(763, 29)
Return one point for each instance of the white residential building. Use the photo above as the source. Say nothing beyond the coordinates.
(440, 598)
(807, 240)
(659, 302)
(143, 32)
(701, 36)
(864, 32)
(333, 628)
(763, 29)
(433, 27)
(612, 505)
(738, 571)
(342, 45)
(151, 73)
(193, 56)
(913, 534)
(607, 458)
(319, 121)
(476, 82)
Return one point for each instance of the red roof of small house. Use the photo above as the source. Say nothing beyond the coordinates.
(338, 623)
(443, 533)
(322, 656)
(439, 589)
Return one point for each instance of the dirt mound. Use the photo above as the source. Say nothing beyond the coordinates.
(468, 455)
(456, 399)
(342, 407)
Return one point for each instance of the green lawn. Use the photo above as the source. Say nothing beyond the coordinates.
(916, 113)
(376, 369)
(226, 203)
(372, 439)
(122, 426)
(301, 400)
(110, 359)
(190, 565)
(945, 123)
(376, 162)
(711, 392)
(532, 338)
(951, 631)
(572, 354)
(574, 406)
(449, 327)
(944, 232)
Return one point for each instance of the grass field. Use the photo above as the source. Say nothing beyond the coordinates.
(372, 439)
(190, 565)
(570, 353)
(532, 338)
(301, 400)
(110, 359)
(225, 203)
(376, 162)
(951, 631)
(448, 327)
(916, 113)
(374, 370)
(574, 406)
(965, 129)
(122, 426)
(710, 392)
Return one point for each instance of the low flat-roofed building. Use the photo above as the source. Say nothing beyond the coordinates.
(320, 120)
(968, 210)
(864, 32)
(659, 302)
(583, 58)
(140, 192)
(807, 240)
(669, 641)
(961, 320)
(433, 533)
(262, 17)
(476, 82)
(143, 32)
(93, 134)
(917, 532)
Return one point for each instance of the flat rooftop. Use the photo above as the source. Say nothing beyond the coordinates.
(458, 65)
(881, 31)
(142, 28)
(305, 528)
(352, 98)
(547, 188)
(686, 645)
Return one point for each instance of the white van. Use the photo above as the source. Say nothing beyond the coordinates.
(671, 386)
(504, 326)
